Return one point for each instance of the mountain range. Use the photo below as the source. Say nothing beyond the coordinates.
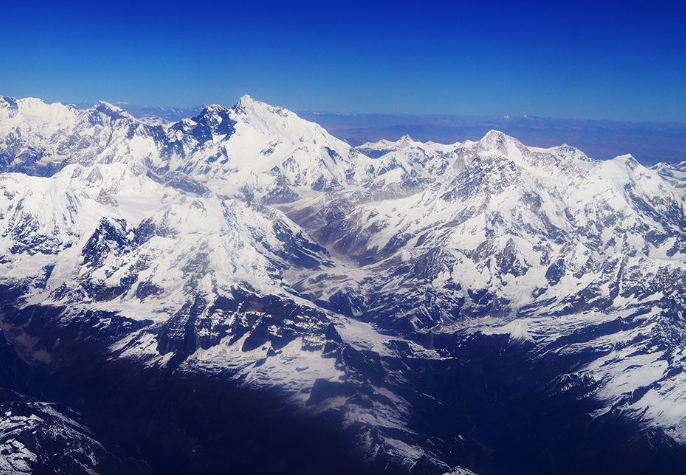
(242, 292)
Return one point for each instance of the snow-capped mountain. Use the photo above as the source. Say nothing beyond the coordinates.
(252, 144)
(414, 295)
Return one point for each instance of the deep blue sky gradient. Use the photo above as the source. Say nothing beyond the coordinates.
(591, 60)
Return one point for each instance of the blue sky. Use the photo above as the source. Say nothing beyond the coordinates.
(590, 60)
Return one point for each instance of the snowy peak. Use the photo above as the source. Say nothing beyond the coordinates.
(211, 112)
(383, 146)
(104, 114)
(111, 110)
(493, 137)
(568, 153)
(279, 121)
(32, 112)
(212, 120)
(252, 109)
(406, 140)
(247, 102)
(496, 141)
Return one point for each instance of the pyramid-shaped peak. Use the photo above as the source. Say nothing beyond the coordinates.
(246, 99)
(247, 102)
(629, 160)
(107, 105)
(494, 135)
(111, 110)
(495, 139)
(250, 106)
